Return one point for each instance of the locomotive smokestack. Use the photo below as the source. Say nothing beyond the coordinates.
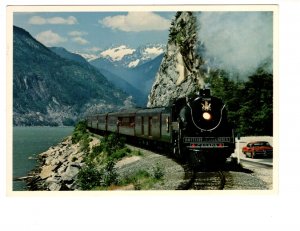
(205, 92)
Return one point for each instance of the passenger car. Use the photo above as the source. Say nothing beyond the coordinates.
(253, 149)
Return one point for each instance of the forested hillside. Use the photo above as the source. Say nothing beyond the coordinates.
(250, 103)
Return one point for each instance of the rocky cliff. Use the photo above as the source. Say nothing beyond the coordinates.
(182, 69)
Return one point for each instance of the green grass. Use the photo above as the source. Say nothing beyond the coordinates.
(141, 179)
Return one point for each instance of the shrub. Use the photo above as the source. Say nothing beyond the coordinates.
(79, 131)
(89, 177)
(120, 153)
(85, 143)
(109, 174)
(158, 172)
(112, 143)
(96, 151)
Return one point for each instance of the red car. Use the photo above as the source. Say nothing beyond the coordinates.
(253, 149)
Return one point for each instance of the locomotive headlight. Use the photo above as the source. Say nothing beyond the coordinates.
(206, 116)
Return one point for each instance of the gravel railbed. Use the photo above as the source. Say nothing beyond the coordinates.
(265, 174)
(174, 174)
(243, 181)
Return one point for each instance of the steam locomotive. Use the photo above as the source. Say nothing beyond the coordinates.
(193, 128)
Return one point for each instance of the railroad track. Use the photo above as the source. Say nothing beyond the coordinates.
(230, 177)
(214, 180)
(203, 179)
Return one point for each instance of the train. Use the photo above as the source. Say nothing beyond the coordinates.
(193, 129)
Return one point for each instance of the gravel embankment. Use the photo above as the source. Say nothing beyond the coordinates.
(261, 173)
(174, 174)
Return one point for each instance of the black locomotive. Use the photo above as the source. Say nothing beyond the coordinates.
(193, 128)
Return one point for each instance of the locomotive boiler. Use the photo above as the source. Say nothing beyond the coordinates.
(193, 128)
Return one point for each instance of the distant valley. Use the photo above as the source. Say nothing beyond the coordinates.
(137, 67)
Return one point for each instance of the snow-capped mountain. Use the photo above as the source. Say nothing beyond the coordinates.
(127, 57)
(137, 67)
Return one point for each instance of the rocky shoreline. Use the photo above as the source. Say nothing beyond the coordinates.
(60, 165)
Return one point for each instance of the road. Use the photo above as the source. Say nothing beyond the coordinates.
(259, 159)
(263, 160)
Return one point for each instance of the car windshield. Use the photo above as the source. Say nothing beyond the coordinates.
(261, 144)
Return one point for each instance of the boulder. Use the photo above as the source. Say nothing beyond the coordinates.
(70, 173)
(46, 171)
(54, 187)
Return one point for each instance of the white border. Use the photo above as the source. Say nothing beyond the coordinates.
(11, 10)
(137, 212)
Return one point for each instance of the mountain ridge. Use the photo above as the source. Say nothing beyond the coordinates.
(51, 90)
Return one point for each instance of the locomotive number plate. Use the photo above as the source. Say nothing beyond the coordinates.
(205, 139)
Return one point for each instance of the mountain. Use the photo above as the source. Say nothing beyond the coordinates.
(149, 69)
(143, 76)
(62, 52)
(51, 90)
(123, 56)
(182, 70)
(137, 67)
(139, 97)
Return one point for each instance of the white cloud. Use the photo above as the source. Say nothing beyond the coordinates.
(49, 38)
(77, 33)
(80, 40)
(136, 21)
(38, 20)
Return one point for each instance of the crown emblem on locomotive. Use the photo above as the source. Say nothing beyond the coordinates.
(206, 106)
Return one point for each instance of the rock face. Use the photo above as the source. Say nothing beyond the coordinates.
(181, 71)
(59, 167)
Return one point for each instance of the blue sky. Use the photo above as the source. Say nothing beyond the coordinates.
(238, 40)
(91, 31)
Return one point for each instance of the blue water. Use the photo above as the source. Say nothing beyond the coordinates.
(28, 142)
